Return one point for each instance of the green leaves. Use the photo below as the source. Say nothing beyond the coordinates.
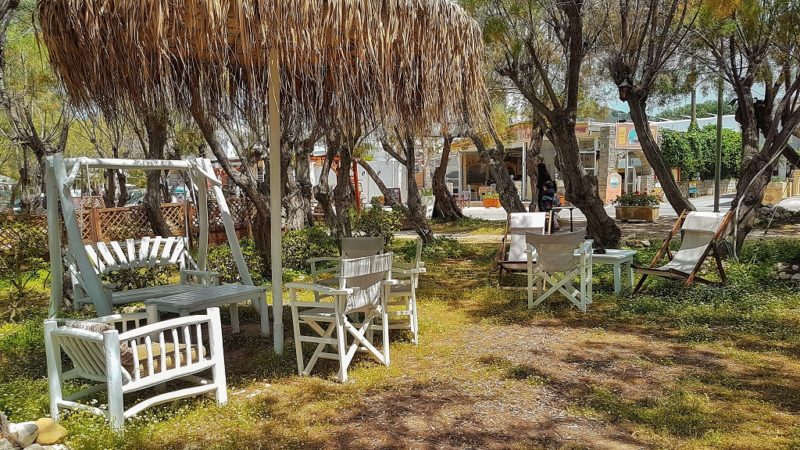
(693, 151)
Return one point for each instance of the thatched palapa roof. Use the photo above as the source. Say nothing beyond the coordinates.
(343, 62)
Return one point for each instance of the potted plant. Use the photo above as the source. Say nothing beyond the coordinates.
(491, 200)
(637, 206)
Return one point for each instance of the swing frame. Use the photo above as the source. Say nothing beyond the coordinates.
(60, 175)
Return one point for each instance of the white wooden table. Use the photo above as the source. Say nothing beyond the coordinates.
(192, 300)
(617, 258)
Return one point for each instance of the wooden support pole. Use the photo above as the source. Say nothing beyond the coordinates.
(275, 198)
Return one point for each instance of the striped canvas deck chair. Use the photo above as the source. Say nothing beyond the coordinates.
(362, 291)
(569, 254)
(701, 232)
(511, 258)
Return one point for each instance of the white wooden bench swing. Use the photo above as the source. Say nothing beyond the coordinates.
(131, 352)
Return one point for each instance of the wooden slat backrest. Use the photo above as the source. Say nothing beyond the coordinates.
(147, 252)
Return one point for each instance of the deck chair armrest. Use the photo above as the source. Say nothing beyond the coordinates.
(209, 276)
(319, 288)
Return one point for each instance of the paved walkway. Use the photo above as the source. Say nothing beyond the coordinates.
(665, 210)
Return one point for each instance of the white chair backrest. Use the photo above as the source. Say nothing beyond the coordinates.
(519, 224)
(358, 247)
(366, 275)
(146, 252)
(557, 251)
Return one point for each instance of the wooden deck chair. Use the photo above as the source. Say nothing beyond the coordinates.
(511, 258)
(363, 288)
(402, 300)
(122, 357)
(324, 269)
(557, 254)
(701, 232)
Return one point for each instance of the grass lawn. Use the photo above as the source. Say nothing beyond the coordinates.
(671, 367)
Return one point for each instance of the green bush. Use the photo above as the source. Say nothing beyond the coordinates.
(221, 260)
(141, 277)
(300, 245)
(377, 221)
(21, 263)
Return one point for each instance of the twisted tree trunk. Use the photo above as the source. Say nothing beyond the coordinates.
(155, 124)
(652, 152)
(581, 188)
(495, 157)
(532, 155)
(322, 191)
(343, 194)
(416, 211)
(446, 207)
(388, 196)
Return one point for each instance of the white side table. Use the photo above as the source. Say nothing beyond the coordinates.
(617, 258)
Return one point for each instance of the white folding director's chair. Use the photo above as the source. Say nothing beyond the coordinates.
(557, 254)
(363, 288)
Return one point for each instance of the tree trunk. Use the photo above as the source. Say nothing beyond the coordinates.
(155, 124)
(110, 194)
(322, 191)
(652, 152)
(416, 211)
(445, 207)
(581, 188)
(388, 196)
(244, 180)
(495, 157)
(532, 155)
(752, 162)
(122, 181)
(292, 199)
(343, 195)
(302, 172)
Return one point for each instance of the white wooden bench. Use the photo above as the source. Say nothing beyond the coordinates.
(109, 257)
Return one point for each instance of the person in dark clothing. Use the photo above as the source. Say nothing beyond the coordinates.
(542, 177)
(550, 200)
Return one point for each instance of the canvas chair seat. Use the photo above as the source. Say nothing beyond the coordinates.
(700, 234)
(557, 256)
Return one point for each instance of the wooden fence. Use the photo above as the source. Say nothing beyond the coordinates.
(130, 222)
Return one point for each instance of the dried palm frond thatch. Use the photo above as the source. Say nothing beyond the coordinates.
(406, 63)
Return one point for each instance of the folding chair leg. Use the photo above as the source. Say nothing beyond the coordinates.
(342, 350)
(640, 283)
(298, 346)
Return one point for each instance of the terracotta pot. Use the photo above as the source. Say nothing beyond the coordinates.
(646, 213)
(491, 202)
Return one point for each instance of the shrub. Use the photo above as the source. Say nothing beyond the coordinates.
(21, 262)
(300, 245)
(637, 199)
(377, 221)
(221, 260)
(141, 277)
